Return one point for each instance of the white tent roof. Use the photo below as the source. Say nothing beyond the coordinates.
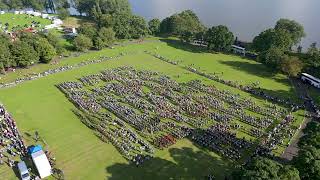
(42, 163)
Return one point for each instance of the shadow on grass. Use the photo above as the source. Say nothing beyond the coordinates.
(186, 164)
(184, 46)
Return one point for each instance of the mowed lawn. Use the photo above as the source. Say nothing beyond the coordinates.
(21, 20)
(39, 106)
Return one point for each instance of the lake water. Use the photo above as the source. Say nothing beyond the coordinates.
(246, 18)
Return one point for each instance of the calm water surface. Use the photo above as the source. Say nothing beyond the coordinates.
(246, 18)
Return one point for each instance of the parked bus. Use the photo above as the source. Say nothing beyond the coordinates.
(310, 79)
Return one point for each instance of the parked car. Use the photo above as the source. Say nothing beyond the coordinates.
(23, 170)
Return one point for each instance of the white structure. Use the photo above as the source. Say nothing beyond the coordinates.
(42, 164)
(45, 16)
(29, 12)
(16, 12)
(310, 79)
(2, 12)
(239, 50)
(57, 22)
(36, 14)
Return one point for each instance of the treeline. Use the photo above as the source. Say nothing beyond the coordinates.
(28, 49)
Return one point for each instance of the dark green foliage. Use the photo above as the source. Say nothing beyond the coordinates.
(311, 136)
(128, 26)
(266, 169)
(293, 28)
(88, 30)
(291, 66)
(45, 50)
(272, 57)
(138, 27)
(272, 38)
(179, 24)
(24, 54)
(219, 38)
(154, 26)
(107, 36)
(314, 55)
(82, 43)
(308, 163)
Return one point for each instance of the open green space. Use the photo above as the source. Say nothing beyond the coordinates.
(21, 20)
(39, 106)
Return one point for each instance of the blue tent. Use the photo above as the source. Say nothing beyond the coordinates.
(33, 149)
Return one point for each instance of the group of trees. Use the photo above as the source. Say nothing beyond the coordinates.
(308, 159)
(188, 27)
(27, 49)
(274, 46)
(113, 19)
(264, 168)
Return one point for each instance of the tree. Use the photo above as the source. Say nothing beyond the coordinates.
(272, 57)
(88, 30)
(82, 43)
(266, 169)
(24, 54)
(6, 59)
(314, 55)
(295, 30)
(308, 163)
(272, 38)
(179, 24)
(138, 27)
(63, 13)
(45, 50)
(292, 66)
(219, 38)
(107, 36)
(154, 26)
(53, 39)
(121, 25)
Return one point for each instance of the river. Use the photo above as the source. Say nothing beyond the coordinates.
(246, 18)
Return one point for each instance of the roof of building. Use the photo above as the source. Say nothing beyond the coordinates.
(42, 163)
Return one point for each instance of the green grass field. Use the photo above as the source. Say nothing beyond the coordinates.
(21, 20)
(39, 106)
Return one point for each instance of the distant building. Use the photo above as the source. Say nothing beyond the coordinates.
(310, 79)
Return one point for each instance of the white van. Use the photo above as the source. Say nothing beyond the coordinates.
(23, 170)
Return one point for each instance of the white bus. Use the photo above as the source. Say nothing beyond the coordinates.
(310, 79)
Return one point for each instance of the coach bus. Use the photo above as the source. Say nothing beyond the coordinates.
(310, 79)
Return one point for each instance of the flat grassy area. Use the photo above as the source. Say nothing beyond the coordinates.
(39, 106)
(21, 20)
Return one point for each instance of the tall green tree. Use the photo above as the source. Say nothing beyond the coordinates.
(45, 50)
(24, 54)
(219, 38)
(308, 163)
(82, 43)
(293, 28)
(272, 38)
(272, 57)
(266, 169)
(314, 55)
(107, 37)
(154, 26)
(138, 27)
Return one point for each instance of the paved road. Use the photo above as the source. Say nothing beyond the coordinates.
(292, 149)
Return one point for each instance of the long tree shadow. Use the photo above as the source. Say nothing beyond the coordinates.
(184, 46)
(251, 68)
(185, 164)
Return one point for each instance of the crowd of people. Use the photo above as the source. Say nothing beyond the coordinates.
(151, 110)
(12, 146)
(59, 69)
